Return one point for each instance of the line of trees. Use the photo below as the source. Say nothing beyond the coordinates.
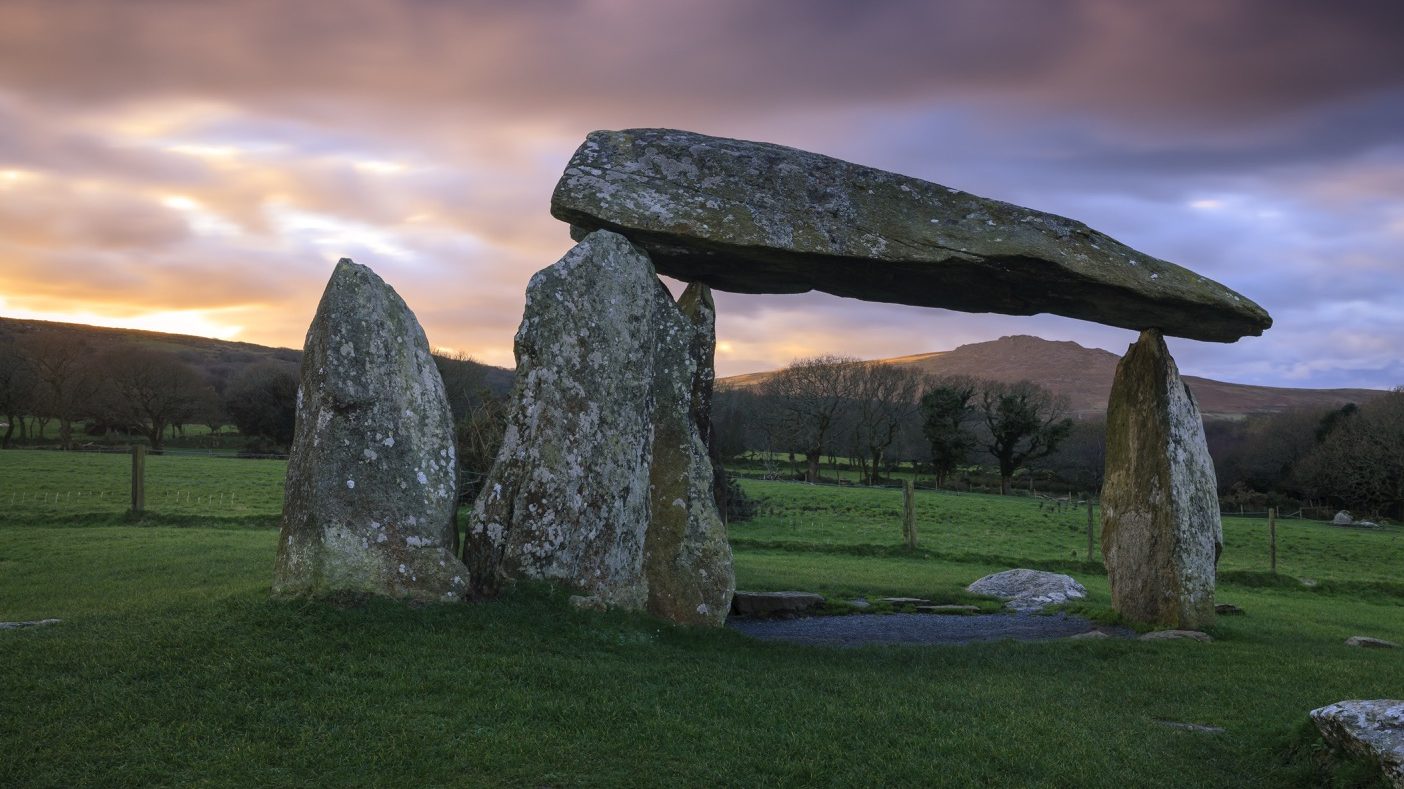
(58, 378)
(1350, 457)
(880, 414)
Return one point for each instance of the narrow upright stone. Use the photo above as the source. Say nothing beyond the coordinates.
(687, 557)
(1161, 534)
(372, 478)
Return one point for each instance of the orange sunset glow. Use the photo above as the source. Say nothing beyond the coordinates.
(198, 168)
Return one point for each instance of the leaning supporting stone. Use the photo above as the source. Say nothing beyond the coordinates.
(603, 483)
(1161, 534)
(759, 218)
(687, 556)
(696, 303)
(372, 481)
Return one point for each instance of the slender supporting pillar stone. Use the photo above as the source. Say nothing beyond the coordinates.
(687, 556)
(1161, 534)
(372, 482)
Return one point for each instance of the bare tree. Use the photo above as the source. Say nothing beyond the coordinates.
(884, 398)
(811, 395)
(1082, 457)
(465, 384)
(151, 390)
(16, 388)
(1023, 422)
(64, 381)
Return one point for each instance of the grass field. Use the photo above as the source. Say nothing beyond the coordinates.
(173, 666)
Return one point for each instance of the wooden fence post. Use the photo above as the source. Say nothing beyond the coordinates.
(1089, 527)
(139, 478)
(1272, 538)
(909, 529)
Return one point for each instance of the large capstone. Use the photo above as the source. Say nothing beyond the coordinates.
(1161, 534)
(372, 479)
(758, 218)
(603, 483)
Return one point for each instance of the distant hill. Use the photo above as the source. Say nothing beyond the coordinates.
(220, 360)
(1085, 376)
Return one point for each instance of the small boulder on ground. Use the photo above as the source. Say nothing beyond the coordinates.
(1343, 518)
(774, 603)
(1369, 728)
(1227, 609)
(1370, 643)
(1171, 635)
(1029, 590)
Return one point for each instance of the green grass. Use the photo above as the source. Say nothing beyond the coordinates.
(1004, 530)
(174, 667)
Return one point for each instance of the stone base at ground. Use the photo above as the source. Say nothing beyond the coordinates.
(1372, 729)
(1029, 590)
(1161, 534)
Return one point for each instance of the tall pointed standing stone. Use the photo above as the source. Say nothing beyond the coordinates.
(686, 554)
(1161, 534)
(372, 478)
(602, 483)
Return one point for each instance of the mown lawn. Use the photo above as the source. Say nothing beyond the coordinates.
(173, 666)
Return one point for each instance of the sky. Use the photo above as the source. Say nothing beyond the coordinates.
(199, 167)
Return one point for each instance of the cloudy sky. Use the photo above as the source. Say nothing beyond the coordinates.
(198, 166)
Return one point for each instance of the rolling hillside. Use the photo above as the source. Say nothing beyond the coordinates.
(220, 360)
(1085, 376)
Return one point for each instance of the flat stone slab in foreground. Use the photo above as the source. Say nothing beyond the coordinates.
(1372, 728)
(759, 218)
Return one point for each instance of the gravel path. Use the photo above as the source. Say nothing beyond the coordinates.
(861, 629)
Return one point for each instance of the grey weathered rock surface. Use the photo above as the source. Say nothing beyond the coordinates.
(1177, 635)
(774, 603)
(1090, 635)
(603, 483)
(1366, 642)
(372, 480)
(31, 623)
(1161, 534)
(1369, 728)
(1029, 590)
(758, 218)
(1343, 518)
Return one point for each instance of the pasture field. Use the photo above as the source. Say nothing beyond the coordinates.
(174, 667)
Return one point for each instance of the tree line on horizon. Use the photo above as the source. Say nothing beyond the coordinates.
(880, 416)
(876, 416)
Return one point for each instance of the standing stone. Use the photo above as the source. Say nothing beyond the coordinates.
(372, 478)
(1161, 534)
(603, 483)
(687, 556)
(696, 303)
